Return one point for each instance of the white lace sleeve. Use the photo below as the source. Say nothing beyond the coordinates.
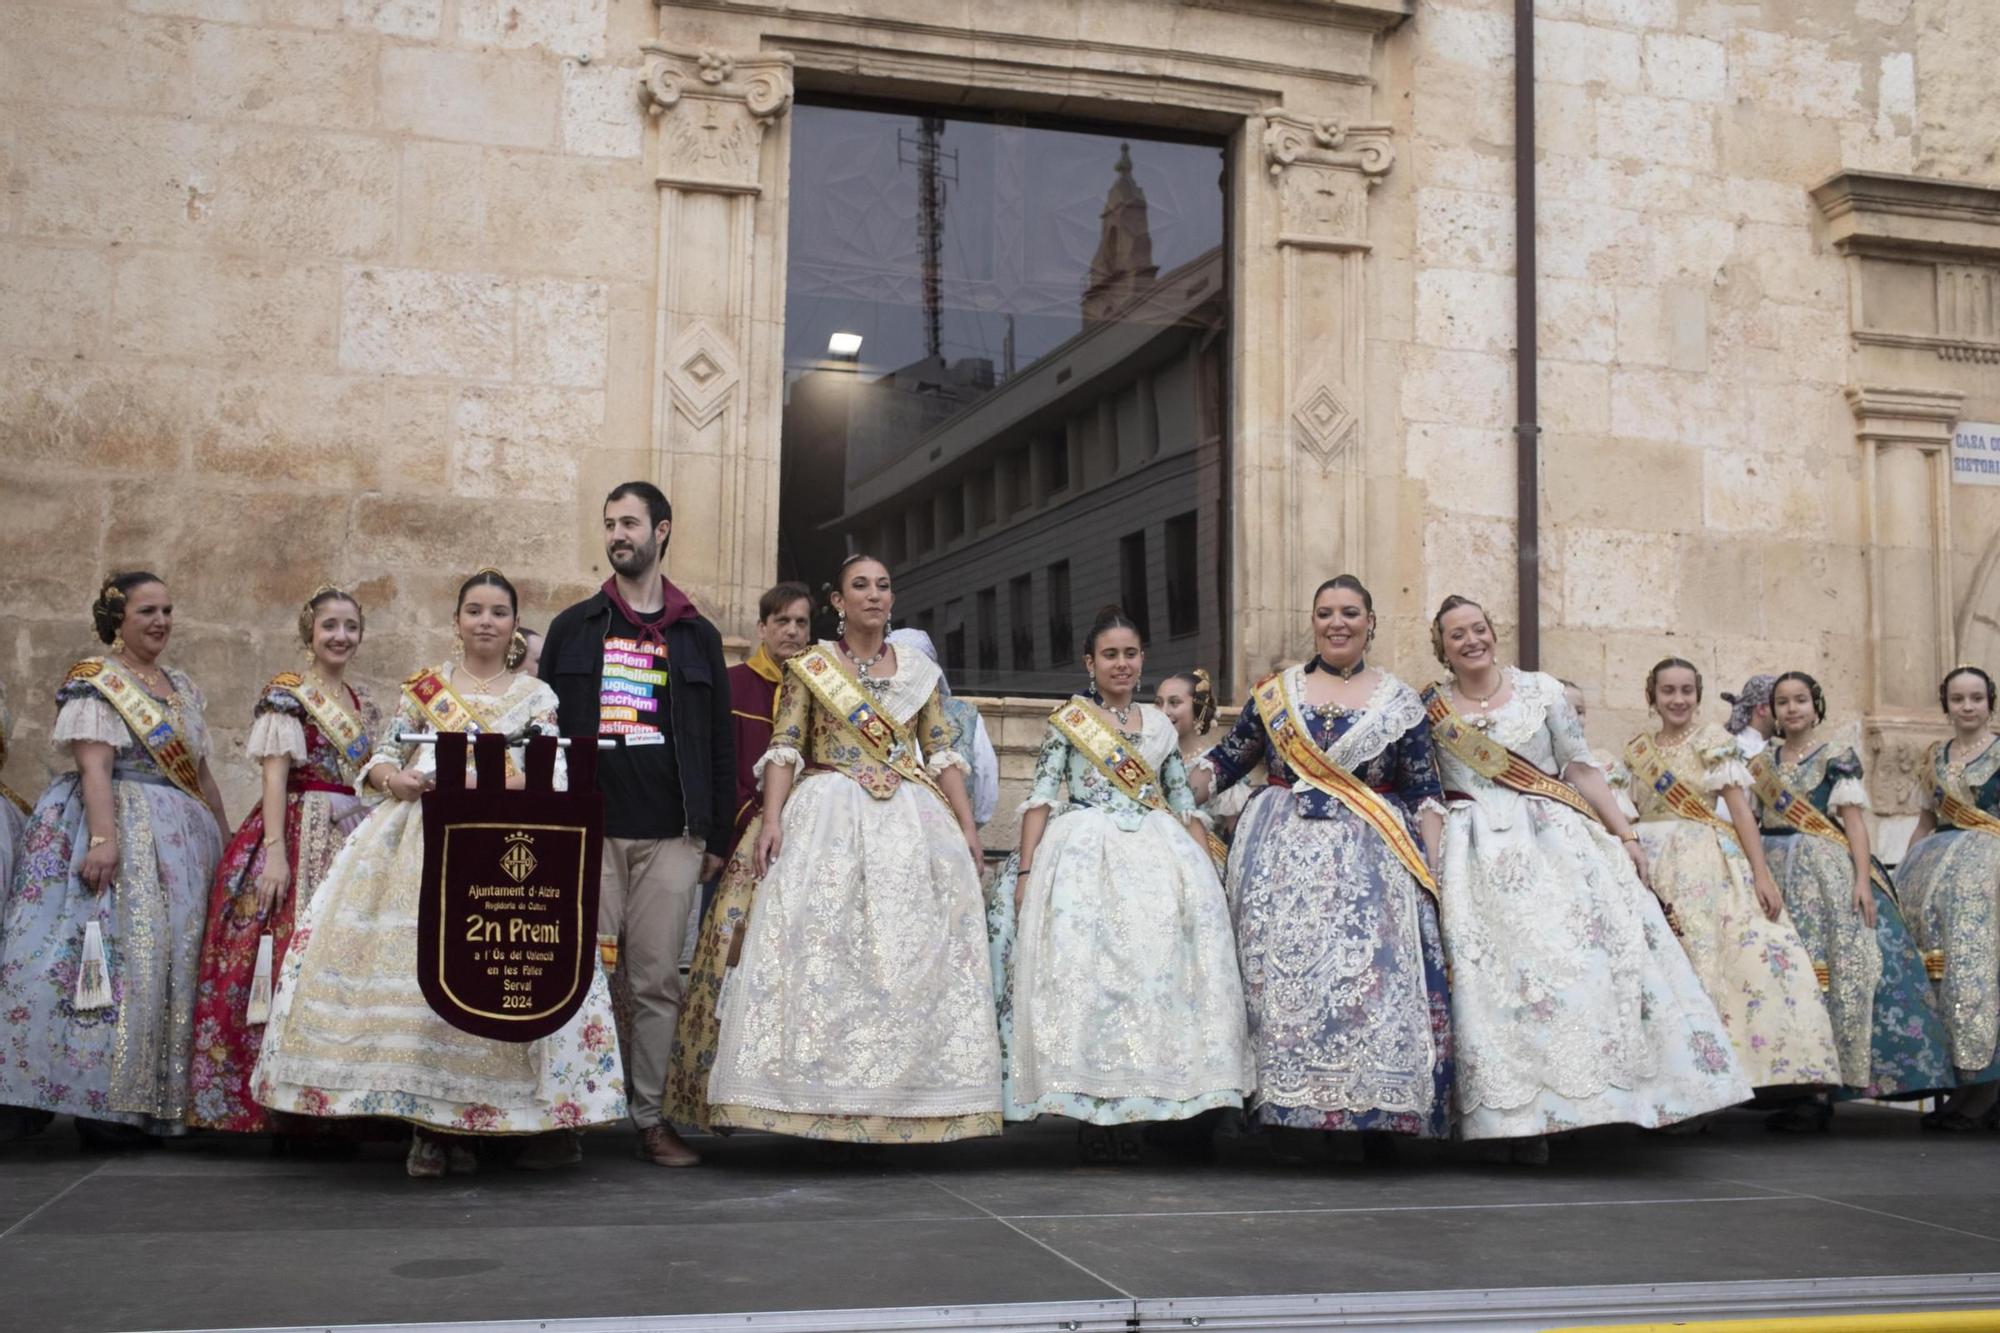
(784, 756)
(90, 719)
(274, 735)
(1849, 791)
(944, 759)
(1727, 773)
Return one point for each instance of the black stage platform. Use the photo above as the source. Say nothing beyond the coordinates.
(218, 1232)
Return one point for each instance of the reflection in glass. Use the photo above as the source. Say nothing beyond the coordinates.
(1005, 363)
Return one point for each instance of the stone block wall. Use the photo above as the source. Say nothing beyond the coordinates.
(304, 290)
(1702, 483)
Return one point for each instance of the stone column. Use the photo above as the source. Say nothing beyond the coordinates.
(719, 335)
(1301, 514)
(1906, 465)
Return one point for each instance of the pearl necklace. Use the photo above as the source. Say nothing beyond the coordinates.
(862, 668)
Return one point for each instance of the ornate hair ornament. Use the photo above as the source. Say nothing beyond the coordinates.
(325, 592)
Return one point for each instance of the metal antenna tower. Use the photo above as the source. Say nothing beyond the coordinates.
(936, 168)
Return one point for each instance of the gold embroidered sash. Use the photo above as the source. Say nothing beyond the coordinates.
(1492, 760)
(1650, 767)
(148, 718)
(1802, 816)
(1084, 727)
(1949, 808)
(342, 729)
(1304, 757)
(445, 710)
(880, 736)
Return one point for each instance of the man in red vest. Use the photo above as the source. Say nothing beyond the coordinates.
(784, 628)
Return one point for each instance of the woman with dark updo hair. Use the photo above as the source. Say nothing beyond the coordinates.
(1333, 882)
(350, 1032)
(1812, 803)
(1950, 884)
(103, 917)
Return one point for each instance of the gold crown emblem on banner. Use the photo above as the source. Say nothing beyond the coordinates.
(517, 860)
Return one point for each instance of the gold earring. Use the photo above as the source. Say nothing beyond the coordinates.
(118, 643)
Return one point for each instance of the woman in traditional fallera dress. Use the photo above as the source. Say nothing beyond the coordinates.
(1950, 882)
(1811, 802)
(310, 734)
(861, 1006)
(1572, 1003)
(350, 1032)
(1713, 877)
(1335, 913)
(101, 930)
(1120, 999)
(1188, 700)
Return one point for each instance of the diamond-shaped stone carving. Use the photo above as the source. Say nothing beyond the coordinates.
(1323, 424)
(701, 372)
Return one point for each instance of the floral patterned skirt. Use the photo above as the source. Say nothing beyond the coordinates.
(694, 1045)
(1755, 970)
(1885, 1020)
(351, 1034)
(225, 1042)
(1121, 1001)
(127, 1062)
(1572, 1003)
(1343, 975)
(1950, 885)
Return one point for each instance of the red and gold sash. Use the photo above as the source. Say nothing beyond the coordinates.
(1650, 767)
(1305, 758)
(148, 718)
(1085, 728)
(336, 722)
(445, 710)
(1799, 813)
(880, 736)
(1492, 760)
(1949, 808)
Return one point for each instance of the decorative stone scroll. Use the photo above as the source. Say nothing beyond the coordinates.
(721, 108)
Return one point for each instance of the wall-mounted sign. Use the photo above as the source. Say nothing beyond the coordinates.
(1975, 453)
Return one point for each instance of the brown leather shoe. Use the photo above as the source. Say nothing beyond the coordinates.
(659, 1145)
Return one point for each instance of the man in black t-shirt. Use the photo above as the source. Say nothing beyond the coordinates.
(638, 662)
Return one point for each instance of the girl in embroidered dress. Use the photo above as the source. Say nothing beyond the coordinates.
(1712, 876)
(861, 1006)
(1336, 919)
(310, 733)
(1188, 700)
(1885, 1024)
(1120, 999)
(350, 1032)
(1950, 882)
(101, 929)
(1571, 1002)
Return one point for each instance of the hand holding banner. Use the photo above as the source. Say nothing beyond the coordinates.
(507, 925)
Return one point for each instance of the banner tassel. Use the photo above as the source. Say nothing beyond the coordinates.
(259, 1008)
(93, 974)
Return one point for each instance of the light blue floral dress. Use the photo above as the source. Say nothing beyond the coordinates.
(1118, 992)
(1950, 885)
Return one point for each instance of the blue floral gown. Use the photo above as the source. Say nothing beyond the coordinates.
(126, 1063)
(1343, 963)
(1950, 886)
(1885, 1022)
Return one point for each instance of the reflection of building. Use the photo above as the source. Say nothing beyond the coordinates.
(1094, 476)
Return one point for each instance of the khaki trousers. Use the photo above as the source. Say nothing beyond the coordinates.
(645, 894)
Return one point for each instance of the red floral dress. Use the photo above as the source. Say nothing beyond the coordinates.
(321, 808)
